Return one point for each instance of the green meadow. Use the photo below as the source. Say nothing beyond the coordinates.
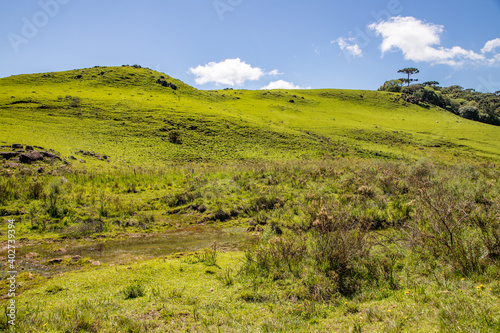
(344, 210)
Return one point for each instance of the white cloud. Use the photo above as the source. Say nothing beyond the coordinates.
(282, 84)
(228, 72)
(491, 45)
(419, 41)
(274, 72)
(349, 45)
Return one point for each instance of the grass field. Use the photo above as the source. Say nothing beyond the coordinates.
(372, 215)
(124, 113)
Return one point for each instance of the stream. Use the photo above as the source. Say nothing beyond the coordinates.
(122, 251)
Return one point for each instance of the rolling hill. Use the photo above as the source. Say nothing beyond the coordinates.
(129, 114)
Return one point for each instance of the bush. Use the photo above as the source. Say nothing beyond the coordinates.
(391, 86)
(133, 291)
(450, 227)
(175, 137)
(468, 112)
(35, 190)
(53, 192)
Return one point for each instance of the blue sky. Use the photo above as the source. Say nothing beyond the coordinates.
(251, 44)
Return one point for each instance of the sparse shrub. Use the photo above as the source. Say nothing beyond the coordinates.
(366, 191)
(443, 229)
(133, 291)
(226, 277)
(267, 202)
(51, 290)
(7, 190)
(53, 192)
(34, 209)
(207, 257)
(182, 198)
(221, 216)
(175, 136)
(73, 102)
(146, 220)
(103, 212)
(35, 190)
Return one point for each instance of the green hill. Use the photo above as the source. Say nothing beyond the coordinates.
(123, 112)
(365, 213)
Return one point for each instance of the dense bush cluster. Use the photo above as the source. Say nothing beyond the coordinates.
(427, 220)
(467, 103)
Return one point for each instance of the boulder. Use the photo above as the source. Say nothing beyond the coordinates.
(26, 171)
(29, 148)
(17, 146)
(30, 157)
(55, 261)
(76, 258)
(61, 250)
(50, 155)
(32, 255)
(8, 155)
(173, 86)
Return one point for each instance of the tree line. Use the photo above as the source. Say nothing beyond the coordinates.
(466, 103)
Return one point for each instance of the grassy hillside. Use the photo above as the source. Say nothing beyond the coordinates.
(357, 212)
(124, 113)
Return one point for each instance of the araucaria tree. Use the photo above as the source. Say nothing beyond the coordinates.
(409, 71)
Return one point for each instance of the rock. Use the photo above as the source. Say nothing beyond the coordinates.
(291, 101)
(8, 155)
(32, 255)
(30, 157)
(55, 261)
(26, 171)
(75, 258)
(173, 86)
(50, 155)
(61, 250)
(29, 148)
(13, 165)
(40, 170)
(82, 161)
(17, 146)
(72, 157)
(95, 263)
(79, 76)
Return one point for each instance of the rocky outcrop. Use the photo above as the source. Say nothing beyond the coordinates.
(8, 154)
(30, 157)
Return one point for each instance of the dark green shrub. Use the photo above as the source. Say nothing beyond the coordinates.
(392, 86)
(469, 112)
(175, 136)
